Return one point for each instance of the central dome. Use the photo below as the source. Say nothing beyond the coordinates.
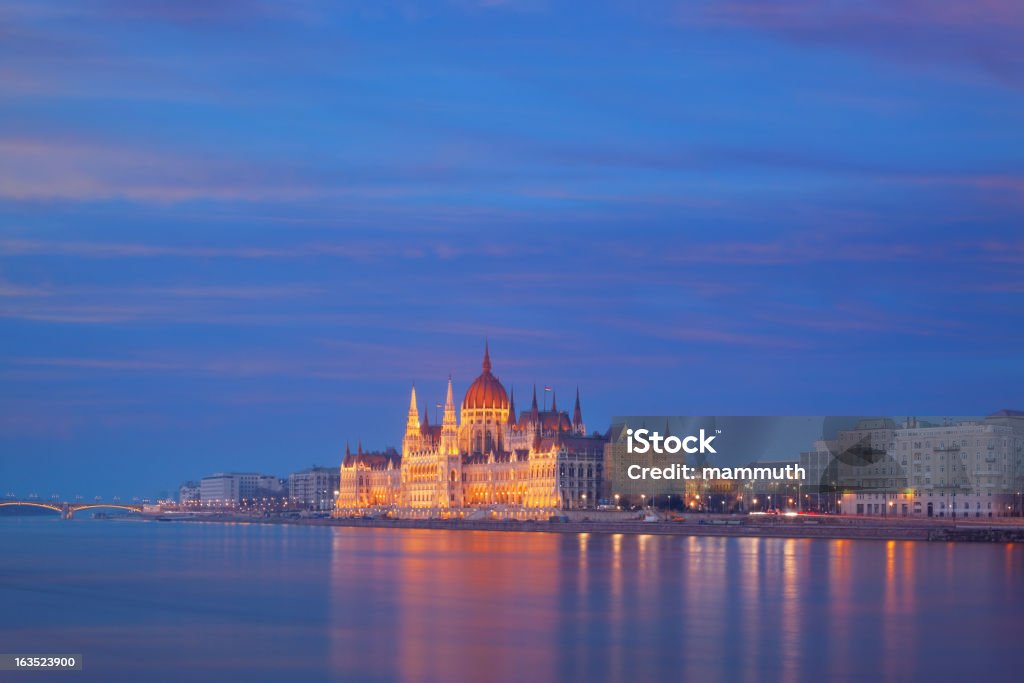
(485, 391)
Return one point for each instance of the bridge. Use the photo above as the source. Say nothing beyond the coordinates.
(67, 510)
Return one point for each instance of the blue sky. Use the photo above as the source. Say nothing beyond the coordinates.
(231, 234)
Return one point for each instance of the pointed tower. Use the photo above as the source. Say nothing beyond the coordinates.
(554, 403)
(425, 424)
(449, 463)
(534, 413)
(449, 426)
(512, 408)
(577, 416)
(412, 424)
(411, 441)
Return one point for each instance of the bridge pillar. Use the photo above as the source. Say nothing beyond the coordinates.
(65, 511)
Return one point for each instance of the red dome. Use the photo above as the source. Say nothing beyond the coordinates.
(486, 391)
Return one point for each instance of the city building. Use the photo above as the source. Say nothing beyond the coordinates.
(270, 486)
(772, 494)
(963, 469)
(621, 491)
(313, 489)
(820, 488)
(484, 457)
(231, 488)
(188, 494)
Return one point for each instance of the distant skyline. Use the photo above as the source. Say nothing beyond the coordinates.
(233, 234)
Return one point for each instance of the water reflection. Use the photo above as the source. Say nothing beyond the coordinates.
(509, 607)
(259, 603)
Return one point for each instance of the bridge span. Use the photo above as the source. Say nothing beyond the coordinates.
(67, 510)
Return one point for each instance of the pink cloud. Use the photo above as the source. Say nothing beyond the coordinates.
(1003, 251)
(718, 335)
(983, 35)
(859, 317)
(90, 170)
(797, 250)
(12, 290)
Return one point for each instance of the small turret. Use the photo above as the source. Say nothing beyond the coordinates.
(425, 425)
(449, 425)
(412, 424)
(577, 415)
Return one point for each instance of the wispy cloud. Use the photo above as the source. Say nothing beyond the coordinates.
(11, 290)
(94, 170)
(239, 365)
(402, 246)
(858, 317)
(1003, 251)
(982, 35)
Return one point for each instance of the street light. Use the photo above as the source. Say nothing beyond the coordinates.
(616, 501)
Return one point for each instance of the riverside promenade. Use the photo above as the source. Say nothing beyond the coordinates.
(999, 530)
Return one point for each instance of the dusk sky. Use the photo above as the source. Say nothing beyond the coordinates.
(233, 233)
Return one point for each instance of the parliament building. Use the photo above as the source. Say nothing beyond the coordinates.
(483, 460)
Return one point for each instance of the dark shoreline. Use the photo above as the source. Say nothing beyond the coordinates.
(834, 528)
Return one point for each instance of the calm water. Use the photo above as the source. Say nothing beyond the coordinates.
(211, 602)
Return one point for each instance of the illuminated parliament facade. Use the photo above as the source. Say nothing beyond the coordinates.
(484, 458)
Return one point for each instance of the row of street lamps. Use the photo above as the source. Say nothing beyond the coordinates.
(10, 495)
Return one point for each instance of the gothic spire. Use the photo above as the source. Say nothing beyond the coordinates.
(512, 407)
(487, 357)
(449, 405)
(413, 423)
(449, 426)
(577, 414)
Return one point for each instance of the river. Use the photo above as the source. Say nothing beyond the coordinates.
(247, 602)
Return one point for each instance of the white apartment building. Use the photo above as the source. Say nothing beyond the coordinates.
(314, 489)
(188, 493)
(967, 469)
(229, 488)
